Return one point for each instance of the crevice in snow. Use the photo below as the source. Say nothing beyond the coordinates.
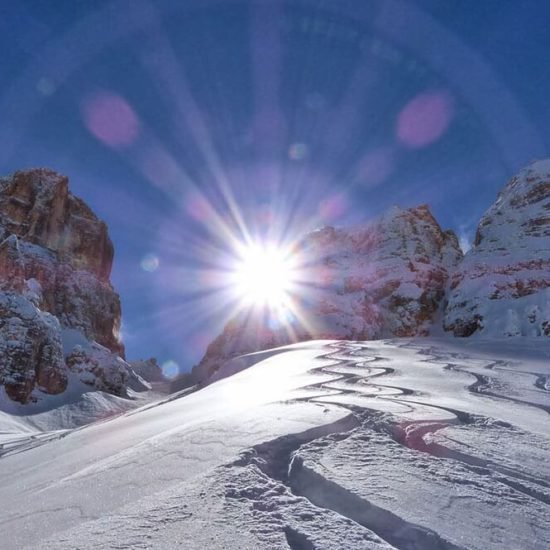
(279, 459)
(273, 457)
(396, 531)
(297, 540)
(543, 383)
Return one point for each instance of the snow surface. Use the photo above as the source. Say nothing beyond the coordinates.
(405, 443)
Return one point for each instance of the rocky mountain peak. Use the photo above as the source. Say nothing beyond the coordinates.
(58, 310)
(520, 217)
(380, 279)
(36, 205)
(502, 288)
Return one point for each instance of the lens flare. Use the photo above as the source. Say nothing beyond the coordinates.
(264, 275)
(425, 119)
(150, 263)
(170, 369)
(111, 119)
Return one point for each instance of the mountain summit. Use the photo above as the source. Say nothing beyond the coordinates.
(403, 276)
(59, 313)
(502, 287)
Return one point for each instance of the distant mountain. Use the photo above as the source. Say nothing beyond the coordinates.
(386, 278)
(402, 275)
(502, 287)
(59, 314)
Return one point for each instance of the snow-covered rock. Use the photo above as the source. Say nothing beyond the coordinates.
(77, 297)
(502, 287)
(98, 367)
(31, 353)
(52, 236)
(55, 262)
(387, 278)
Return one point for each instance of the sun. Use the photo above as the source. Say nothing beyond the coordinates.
(264, 275)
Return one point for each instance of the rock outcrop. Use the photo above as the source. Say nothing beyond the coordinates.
(31, 352)
(148, 369)
(48, 235)
(502, 287)
(384, 279)
(98, 367)
(55, 294)
(36, 205)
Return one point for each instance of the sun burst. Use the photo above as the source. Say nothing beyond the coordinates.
(264, 275)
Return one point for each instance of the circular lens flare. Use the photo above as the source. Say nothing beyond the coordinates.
(264, 275)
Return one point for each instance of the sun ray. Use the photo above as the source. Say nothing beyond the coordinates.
(263, 275)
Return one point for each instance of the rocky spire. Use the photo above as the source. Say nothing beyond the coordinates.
(58, 310)
(502, 288)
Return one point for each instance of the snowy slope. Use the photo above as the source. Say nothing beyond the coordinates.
(411, 444)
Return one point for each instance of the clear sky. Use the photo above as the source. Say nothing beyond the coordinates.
(181, 122)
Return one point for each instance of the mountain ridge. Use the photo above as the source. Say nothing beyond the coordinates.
(407, 246)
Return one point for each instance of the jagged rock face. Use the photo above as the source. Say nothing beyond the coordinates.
(54, 238)
(31, 353)
(55, 262)
(36, 205)
(502, 288)
(384, 279)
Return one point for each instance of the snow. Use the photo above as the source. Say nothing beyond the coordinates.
(402, 443)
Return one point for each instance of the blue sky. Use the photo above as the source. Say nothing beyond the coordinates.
(278, 117)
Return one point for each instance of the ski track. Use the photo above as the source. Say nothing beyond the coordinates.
(279, 459)
(358, 370)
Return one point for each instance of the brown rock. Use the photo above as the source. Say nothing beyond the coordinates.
(54, 238)
(55, 262)
(36, 206)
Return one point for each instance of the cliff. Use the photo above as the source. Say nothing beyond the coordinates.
(59, 313)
